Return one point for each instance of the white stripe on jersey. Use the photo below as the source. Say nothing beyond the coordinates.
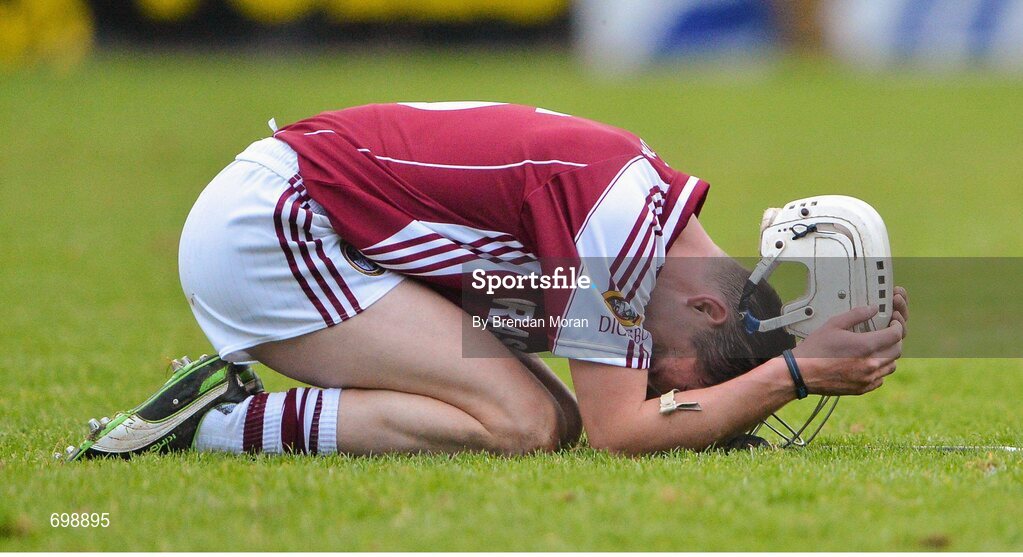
(450, 105)
(485, 264)
(551, 112)
(651, 259)
(479, 244)
(680, 204)
(386, 256)
(466, 235)
(470, 166)
(411, 266)
(645, 235)
(602, 196)
(412, 231)
(457, 233)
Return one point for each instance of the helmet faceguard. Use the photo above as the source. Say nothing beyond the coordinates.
(843, 243)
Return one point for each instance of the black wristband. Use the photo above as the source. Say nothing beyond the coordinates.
(797, 377)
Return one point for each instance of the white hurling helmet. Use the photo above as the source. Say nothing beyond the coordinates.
(843, 243)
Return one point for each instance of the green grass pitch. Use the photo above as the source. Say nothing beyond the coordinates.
(98, 170)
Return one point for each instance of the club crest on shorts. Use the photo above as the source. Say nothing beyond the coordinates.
(360, 262)
(622, 309)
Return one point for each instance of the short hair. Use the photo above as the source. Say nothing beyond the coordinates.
(728, 351)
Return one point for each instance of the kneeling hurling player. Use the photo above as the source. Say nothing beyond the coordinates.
(343, 252)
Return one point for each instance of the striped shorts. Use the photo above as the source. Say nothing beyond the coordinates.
(260, 262)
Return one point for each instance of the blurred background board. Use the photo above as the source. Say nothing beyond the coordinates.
(114, 119)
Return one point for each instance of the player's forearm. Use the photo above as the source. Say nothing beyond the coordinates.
(727, 410)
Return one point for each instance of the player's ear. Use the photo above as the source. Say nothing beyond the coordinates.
(710, 307)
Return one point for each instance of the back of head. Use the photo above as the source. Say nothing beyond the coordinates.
(728, 351)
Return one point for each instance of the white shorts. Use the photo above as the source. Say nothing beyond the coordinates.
(260, 262)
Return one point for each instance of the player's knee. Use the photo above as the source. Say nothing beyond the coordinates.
(536, 428)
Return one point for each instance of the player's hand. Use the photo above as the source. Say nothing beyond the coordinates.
(900, 304)
(834, 360)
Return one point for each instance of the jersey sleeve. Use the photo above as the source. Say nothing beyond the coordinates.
(613, 222)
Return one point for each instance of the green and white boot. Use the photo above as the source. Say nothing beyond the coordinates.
(168, 420)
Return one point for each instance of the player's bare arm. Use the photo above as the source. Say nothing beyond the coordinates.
(618, 418)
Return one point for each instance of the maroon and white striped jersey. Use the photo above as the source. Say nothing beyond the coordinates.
(432, 190)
